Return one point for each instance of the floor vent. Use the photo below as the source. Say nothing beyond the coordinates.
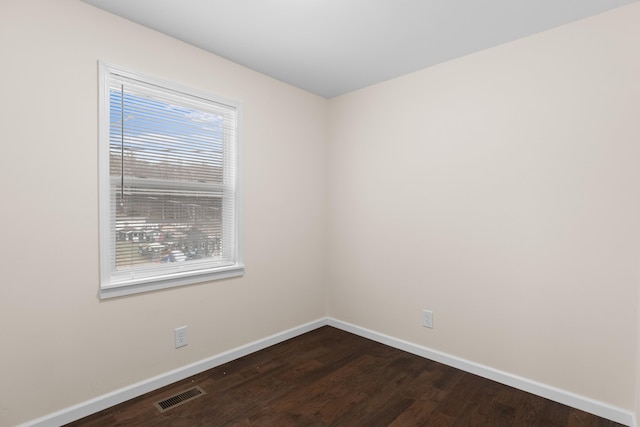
(179, 399)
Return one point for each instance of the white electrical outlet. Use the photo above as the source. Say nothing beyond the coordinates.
(427, 319)
(181, 336)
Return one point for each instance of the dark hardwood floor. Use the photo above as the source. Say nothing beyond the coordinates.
(329, 377)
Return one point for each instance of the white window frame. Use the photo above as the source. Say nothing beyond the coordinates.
(112, 285)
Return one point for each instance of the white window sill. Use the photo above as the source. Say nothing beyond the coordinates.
(139, 286)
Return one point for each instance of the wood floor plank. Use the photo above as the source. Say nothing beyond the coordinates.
(330, 377)
(426, 398)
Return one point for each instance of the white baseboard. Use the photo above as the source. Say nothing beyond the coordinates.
(586, 404)
(105, 401)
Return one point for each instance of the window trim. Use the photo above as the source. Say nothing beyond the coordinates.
(108, 289)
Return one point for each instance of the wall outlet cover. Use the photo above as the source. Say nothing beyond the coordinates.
(427, 319)
(181, 336)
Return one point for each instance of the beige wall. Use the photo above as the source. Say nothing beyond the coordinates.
(500, 190)
(637, 394)
(60, 345)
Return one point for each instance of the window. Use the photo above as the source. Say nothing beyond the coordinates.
(169, 190)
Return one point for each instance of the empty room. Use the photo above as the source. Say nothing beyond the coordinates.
(303, 193)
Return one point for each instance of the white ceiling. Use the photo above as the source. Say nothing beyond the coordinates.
(330, 47)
